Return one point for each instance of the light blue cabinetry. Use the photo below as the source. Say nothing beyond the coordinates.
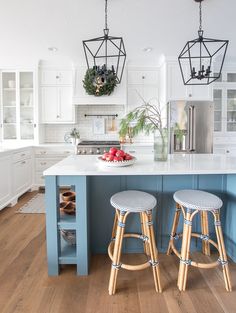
(94, 214)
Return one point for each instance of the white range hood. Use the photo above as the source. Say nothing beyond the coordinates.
(80, 97)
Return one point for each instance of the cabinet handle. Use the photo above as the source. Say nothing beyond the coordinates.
(190, 95)
(132, 151)
(22, 154)
(43, 163)
(42, 152)
(66, 152)
(143, 77)
(23, 162)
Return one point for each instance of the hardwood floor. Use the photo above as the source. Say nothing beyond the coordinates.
(26, 288)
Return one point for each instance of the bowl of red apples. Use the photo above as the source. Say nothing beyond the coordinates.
(116, 158)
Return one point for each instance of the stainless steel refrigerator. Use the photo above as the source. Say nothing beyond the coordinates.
(191, 126)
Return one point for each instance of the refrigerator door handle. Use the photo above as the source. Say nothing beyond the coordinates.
(191, 130)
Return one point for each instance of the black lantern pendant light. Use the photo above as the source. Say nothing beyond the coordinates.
(105, 54)
(201, 59)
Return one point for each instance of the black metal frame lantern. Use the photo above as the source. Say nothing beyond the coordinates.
(202, 59)
(106, 54)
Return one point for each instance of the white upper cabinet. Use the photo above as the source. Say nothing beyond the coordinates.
(80, 97)
(54, 77)
(142, 85)
(57, 105)
(173, 88)
(57, 96)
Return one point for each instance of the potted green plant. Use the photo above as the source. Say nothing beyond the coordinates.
(148, 118)
(75, 135)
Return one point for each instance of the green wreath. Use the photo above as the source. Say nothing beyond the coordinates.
(94, 85)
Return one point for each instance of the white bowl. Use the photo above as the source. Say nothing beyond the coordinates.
(116, 163)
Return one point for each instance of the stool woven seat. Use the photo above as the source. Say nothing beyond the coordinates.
(133, 201)
(197, 200)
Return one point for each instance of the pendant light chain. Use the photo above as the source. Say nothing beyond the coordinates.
(200, 16)
(106, 26)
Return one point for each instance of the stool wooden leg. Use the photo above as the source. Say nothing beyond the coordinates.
(113, 234)
(144, 233)
(221, 246)
(117, 252)
(153, 250)
(205, 232)
(184, 260)
(174, 228)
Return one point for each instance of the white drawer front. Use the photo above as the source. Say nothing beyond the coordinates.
(50, 152)
(20, 156)
(43, 164)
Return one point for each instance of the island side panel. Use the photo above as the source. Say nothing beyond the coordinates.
(52, 216)
(230, 217)
(163, 187)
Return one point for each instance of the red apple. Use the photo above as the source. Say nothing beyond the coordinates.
(110, 157)
(128, 157)
(113, 151)
(120, 153)
(104, 156)
(117, 159)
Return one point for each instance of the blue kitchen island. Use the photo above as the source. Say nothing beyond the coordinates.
(95, 183)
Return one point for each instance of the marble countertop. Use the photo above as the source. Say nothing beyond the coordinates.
(12, 148)
(177, 164)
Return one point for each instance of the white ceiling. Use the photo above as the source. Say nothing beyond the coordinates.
(29, 27)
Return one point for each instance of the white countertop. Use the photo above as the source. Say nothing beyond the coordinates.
(177, 164)
(11, 148)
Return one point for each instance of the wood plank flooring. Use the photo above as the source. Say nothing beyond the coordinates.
(26, 288)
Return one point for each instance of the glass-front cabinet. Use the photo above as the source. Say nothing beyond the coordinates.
(225, 103)
(17, 105)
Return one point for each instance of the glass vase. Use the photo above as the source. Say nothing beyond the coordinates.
(160, 145)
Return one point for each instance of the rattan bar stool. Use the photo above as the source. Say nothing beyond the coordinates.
(126, 202)
(191, 202)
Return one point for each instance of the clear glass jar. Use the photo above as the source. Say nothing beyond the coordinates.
(161, 145)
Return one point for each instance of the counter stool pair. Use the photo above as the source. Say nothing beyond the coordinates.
(189, 202)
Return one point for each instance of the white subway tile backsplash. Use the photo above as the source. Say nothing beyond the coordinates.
(56, 132)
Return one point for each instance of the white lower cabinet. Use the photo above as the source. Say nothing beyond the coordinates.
(5, 183)
(47, 157)
(22, 176)
(16, 171)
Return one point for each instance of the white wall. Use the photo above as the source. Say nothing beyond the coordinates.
(29, 27)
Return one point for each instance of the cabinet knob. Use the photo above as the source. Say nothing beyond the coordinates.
(23, 162)
(58, 116)
(143, 77)
(190, 95)
(227, 151)
(57, 77)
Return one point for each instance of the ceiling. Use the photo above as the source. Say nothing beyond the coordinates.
(29, 27)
